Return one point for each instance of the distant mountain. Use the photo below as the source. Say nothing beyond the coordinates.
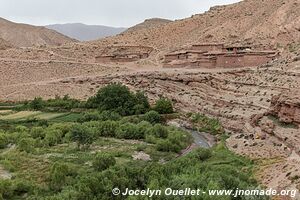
(149, 23)
(85, 32)
(24, 35)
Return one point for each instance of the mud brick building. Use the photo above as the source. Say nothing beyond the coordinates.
(123, 54)
(218, 56)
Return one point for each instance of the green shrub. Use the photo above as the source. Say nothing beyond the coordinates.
(159, 131)
(37, 104)
(207, 124)
(90, 116)
(142, 103)
(109, 115)
(3, 140)
(153, 117)
(38, 132)
(163, 106)
(26, 144)
(203, 154)
(103, 161)
(143, 127)
(21, 129)
(6, 189)
(128, 131)
(166, 146)
(53, 137)
(107, 128)
(81, 135)
(58, 176)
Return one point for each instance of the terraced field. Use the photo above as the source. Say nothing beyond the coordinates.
(23, 115)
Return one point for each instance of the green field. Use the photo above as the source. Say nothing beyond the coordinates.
(39, 115)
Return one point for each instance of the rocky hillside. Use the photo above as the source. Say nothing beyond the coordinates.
(148, 24)
(4, 44)
(23, 35)
(85, 32)
(276, 23)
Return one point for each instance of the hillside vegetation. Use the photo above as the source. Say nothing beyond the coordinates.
(85, 158)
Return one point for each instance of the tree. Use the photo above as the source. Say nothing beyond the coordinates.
(163, 106)
(103, 161)
(37, 103)
(81, 135)
(142, 103)
(114, 97)
(153, 117)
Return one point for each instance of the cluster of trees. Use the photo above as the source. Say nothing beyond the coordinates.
(118, 98)
(115, 98)
(58, 103)
(203, 169)
(146, 127)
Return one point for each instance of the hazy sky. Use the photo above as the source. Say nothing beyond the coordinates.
(122, 13)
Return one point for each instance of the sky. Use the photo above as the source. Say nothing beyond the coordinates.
(117, 13)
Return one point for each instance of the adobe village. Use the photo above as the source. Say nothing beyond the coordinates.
(238, 64)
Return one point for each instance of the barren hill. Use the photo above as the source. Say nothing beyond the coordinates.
(85, 32)
(4, 44)
(148, 24)
(268, 22)
(23, 35)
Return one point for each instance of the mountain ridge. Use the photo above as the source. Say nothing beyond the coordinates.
(84, 32)
(25, 35)
(276, 23)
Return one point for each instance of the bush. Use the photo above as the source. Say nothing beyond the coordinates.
(3, 140)
(153, 117)
(37, 132)
(37, 104)
(207, 124)
(143, 127)
(109, 115)
(203, 154)
(107, 128)
(90, 116)
(142, 103)
(128, 131)
(158, 131)
(26, 144)
(103, 116)
(163, 106)
(53, 137)
(58, 176)
(81, 135)
(103, 161)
